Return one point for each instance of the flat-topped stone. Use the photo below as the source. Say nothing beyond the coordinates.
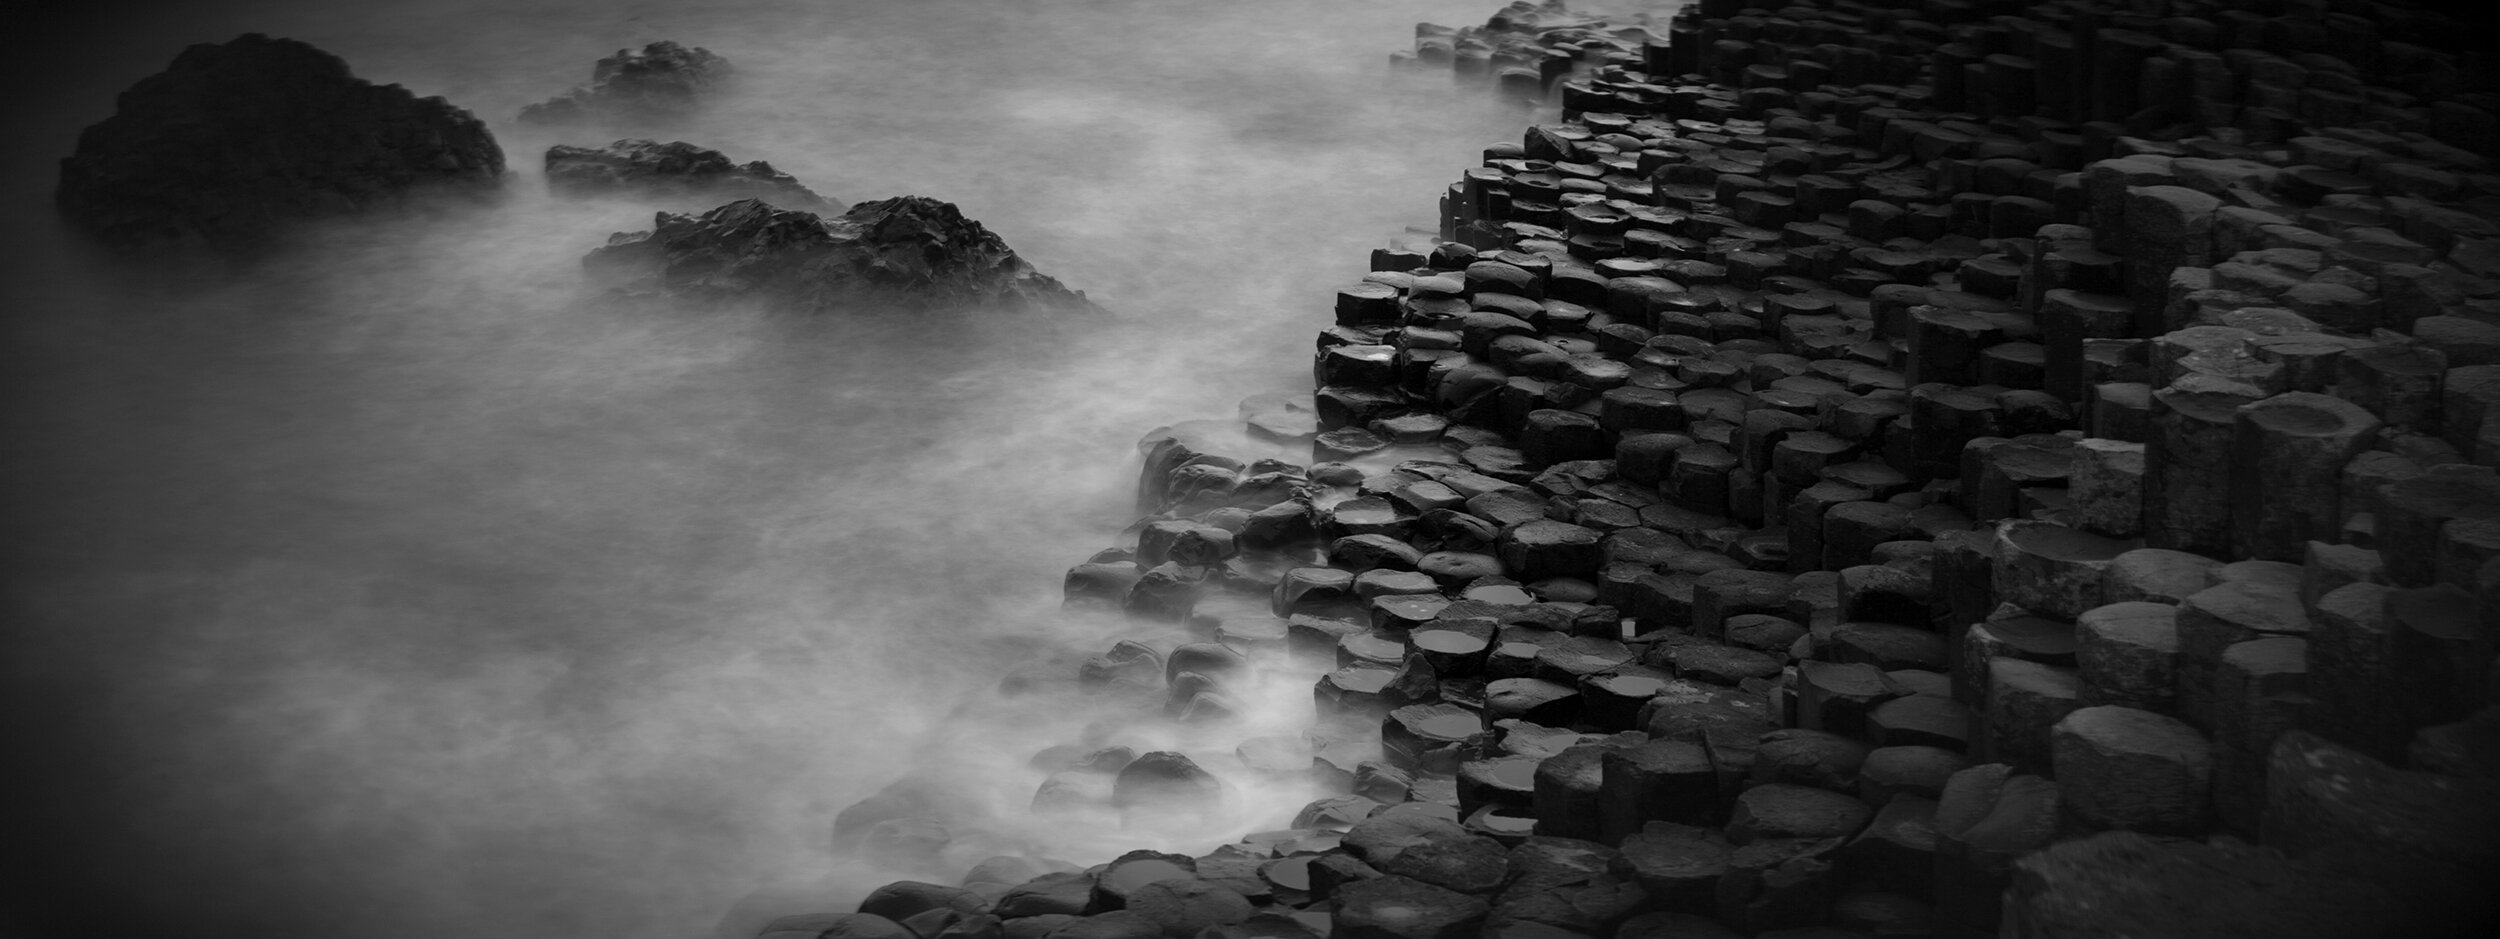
(2120, 767)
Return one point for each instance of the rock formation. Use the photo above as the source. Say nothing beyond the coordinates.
(675, 170)
(233, 141)
(1956, 469)
(660, 81)
(906, 253)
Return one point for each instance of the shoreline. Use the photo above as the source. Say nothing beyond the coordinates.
(1834, 510)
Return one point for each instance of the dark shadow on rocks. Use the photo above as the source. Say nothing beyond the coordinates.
(909, 253)
(660, 81)
(233, 144)
(676, 169)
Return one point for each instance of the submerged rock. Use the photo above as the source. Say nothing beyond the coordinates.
(660, 80)
(908, 252)
(232, 142)
(1164, 779)
(675, 169)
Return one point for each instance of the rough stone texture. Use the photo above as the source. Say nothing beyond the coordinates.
(1988, 817)
(658, 82)
(2259, 693)
(2285, 454)
(2412, 511)
(1063, 893)
(1680, 871)
(2159, 575)
(2469, 748)
(1906, 770)
(1781, 810)
(1474, 865)
(2025, 699)
(1837, 697)
(2119, 767)
(2123, 883)
(1181, 908)
(1920, 720)
(1888, 213)
(2052, 569)
(908, 253)
(1669, 780)
(676, 169)
(2220, 616)
(1779, 883)
(1380, 837)
(234, 142)
(1567, 789)
(1897, 850)
(2107, 487)
(2429, 838)
(1809, 758)
(2347, 672)
(2128, 654)
(904, 899)
(1115, 924)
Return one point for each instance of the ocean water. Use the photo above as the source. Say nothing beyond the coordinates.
(401, 585)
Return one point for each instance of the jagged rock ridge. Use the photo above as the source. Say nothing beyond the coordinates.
(232, 141)
(661, 80)
(908, 252)
(676, 168)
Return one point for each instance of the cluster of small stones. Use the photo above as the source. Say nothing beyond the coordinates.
(1869, 469)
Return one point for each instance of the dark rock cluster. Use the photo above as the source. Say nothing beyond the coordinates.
(904, 253)
(234, 141)
(675, 170)
(660, 81)
(1953, 469)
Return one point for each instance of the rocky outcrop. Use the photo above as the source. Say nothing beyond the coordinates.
(909, 253)
(675, 170)
(659, 81)
(232, 142)
(1872, 473)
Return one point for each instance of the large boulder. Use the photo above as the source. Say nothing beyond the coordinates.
(675, 170)
(908, 252)
(660, 81)
(232, 142)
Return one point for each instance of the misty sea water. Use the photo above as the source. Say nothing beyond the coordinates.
(402, 585)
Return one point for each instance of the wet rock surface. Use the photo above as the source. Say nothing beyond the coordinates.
(236, 142)
(908, 253)
(675, 170)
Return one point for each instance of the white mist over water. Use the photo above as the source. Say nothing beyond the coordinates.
(400, 587)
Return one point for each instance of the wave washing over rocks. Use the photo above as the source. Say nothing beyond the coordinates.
(1954, 469)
